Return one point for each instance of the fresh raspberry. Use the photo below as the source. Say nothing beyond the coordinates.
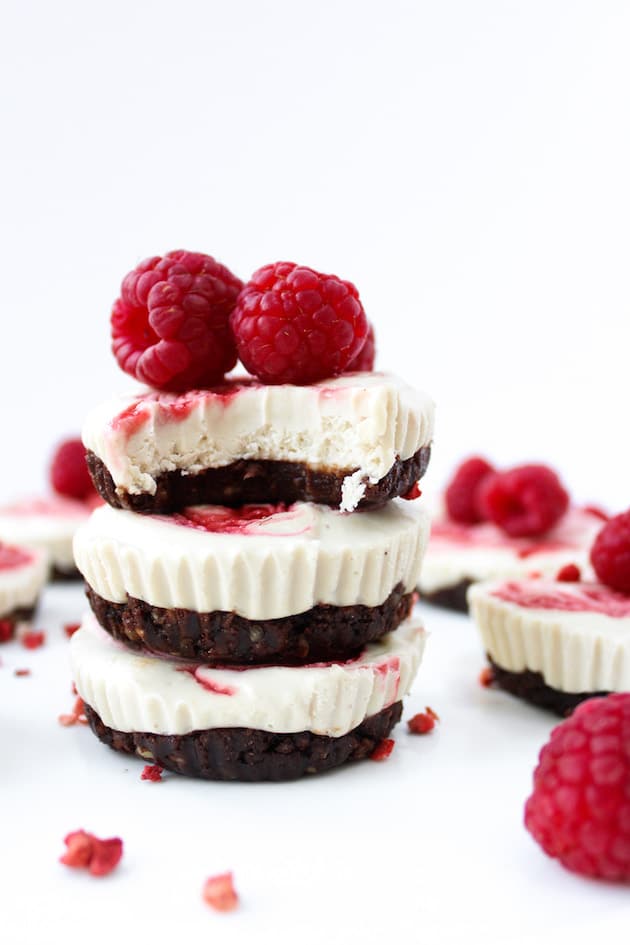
(610, 554)
(295, 326)
(364, 361)
(463, 490)
(71, 628)
(85, 851)
(523, 501)
(486, 677)
(219, 892)
(7, 629)
(170, 326)
(383, 750)
(69, 475)
(570, 573)
(579, 810)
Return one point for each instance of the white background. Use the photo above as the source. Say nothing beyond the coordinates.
(466, 164)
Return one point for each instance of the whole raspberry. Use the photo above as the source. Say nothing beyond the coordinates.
(69, 474)
(579, 810)
(523, 501)
(293, 325)
(610, 554)
(462, 492)
(170, 326)
(364, 361)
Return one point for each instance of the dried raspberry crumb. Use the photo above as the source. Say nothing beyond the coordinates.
(423, 722)
(579, 810)
(6, 630)
(569, 573)
(76, 717)
(486, 677)
(219, 892)
(414, 492)
(21, 672)
(294, 325)
(70, 628)
(33, 639)
(151, 773)
(69, 474)
(383, 750)
(462, 493)
(84, 850)
(523, 501)
(610, 554)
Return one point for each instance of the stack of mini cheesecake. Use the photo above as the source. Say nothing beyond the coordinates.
(251, 575)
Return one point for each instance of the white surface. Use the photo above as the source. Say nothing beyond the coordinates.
(464, 163)
(427, 847)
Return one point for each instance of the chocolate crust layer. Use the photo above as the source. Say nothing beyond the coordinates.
(452, 598)
(320, 634)
(255, 482)
(15, 616)
(58, 575)
(246, 754)
(532, 687)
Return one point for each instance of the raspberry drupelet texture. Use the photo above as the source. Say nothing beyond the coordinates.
(170, 326)
(462, 493)
(523, 501)
(69, 475)
(293, 325)
(610, 554)
(364, 361)
(579, 811)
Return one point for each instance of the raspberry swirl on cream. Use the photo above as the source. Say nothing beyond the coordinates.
(138, 692)
(260, 564)
(468, 553)
(23, 573)
(576, 635)
(45, 523)
(356, 425)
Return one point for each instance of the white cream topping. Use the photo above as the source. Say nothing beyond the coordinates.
(47, 524)
(20, 586)
(362, 421)
(575, 651)
(276, 567)
(489, 553)
(134, 692)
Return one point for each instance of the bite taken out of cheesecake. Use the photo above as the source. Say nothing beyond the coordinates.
(352, 442)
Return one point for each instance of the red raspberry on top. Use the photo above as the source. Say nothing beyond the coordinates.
(524, 501)
(462, 493)
(293, 325)
(610, 554)
(579, 810)
(69, 475)
(364, 361)
(170, 326)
